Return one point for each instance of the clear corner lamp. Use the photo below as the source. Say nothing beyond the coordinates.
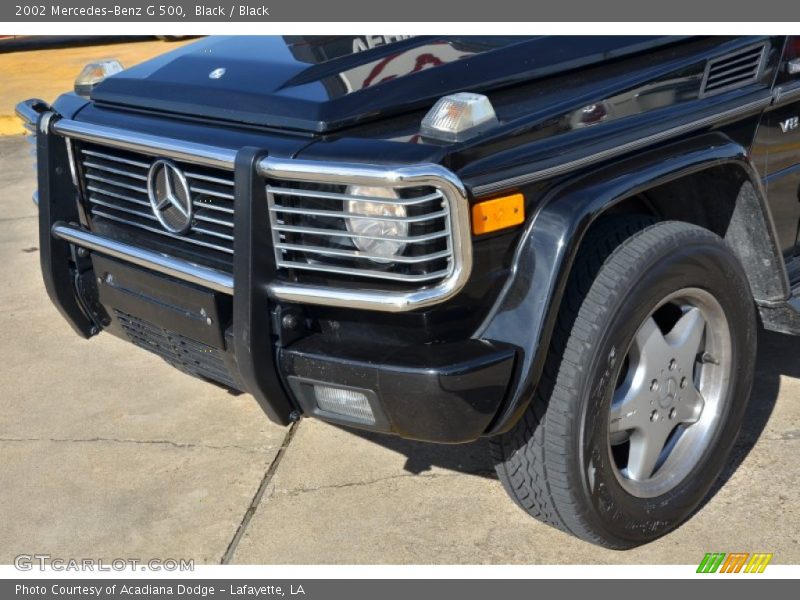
(458, 117)
(94, 73)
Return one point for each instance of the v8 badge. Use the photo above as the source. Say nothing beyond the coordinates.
(790, 124)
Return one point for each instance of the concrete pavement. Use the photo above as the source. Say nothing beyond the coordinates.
(105, 451)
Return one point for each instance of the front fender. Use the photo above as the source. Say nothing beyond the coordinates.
(525, 312)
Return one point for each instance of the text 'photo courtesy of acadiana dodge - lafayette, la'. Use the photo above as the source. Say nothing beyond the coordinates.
(556, 268)
(155, 589)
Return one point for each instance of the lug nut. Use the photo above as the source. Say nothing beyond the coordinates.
(672, 413)
(654, 385)
(683, 383)
(672, 364)
(654, 416)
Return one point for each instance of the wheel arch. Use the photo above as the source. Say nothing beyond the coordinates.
(726, 197)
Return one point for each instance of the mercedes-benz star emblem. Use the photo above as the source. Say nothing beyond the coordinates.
(170, 196)
(217, 73)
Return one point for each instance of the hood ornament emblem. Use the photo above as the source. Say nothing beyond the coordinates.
(217, 73)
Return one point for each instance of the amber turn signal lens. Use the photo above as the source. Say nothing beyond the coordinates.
(498, 213)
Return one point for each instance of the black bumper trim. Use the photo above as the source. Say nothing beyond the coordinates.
(446, 393)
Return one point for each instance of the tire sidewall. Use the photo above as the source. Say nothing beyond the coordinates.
(703, 262)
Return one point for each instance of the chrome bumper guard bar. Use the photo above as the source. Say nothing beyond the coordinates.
(174, 267)
(29, 110)
(426, 175)
(432, 175)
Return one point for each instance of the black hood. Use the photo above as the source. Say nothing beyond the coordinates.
(323, 83)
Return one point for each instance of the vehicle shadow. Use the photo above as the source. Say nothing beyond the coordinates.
(776, 357)
(472, 459)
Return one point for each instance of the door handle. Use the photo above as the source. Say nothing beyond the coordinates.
(793, 66)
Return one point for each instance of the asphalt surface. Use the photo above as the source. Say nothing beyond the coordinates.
(105, 451)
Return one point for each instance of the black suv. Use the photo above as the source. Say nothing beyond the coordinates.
(559, 243)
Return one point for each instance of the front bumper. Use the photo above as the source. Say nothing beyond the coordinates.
(229, 327)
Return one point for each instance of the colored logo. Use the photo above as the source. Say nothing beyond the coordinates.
(736, 562)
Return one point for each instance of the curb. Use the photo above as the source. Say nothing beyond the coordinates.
(11, 125)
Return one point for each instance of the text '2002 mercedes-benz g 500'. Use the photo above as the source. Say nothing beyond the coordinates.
(558, 243)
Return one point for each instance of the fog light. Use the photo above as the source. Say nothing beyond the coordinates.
(348, 403)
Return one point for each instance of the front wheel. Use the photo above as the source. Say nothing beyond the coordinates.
(645, 387)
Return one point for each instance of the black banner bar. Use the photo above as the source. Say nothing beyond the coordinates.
(281, 11)
(343, 589)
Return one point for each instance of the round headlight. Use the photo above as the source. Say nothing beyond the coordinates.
(362, 224)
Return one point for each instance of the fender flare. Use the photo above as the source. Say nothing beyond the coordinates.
(526, 309)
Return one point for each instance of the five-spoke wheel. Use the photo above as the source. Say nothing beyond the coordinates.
(672, 380)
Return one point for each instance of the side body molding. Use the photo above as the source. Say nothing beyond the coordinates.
(525, 313)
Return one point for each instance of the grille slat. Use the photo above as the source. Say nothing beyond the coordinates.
(130, 211)
(224, 236)
(93, 165)
(215, 207)
(207, 192)
(116, 188)
(159, 231)
(117, 183)
(210, 179)
(206, 219)
(111, 157)
(118, 196)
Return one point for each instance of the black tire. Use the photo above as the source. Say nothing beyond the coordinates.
(555, 462)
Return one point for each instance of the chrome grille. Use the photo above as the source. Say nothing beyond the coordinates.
(310, 233)
(115, 184)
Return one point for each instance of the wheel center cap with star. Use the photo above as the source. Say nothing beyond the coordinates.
(668, 393)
